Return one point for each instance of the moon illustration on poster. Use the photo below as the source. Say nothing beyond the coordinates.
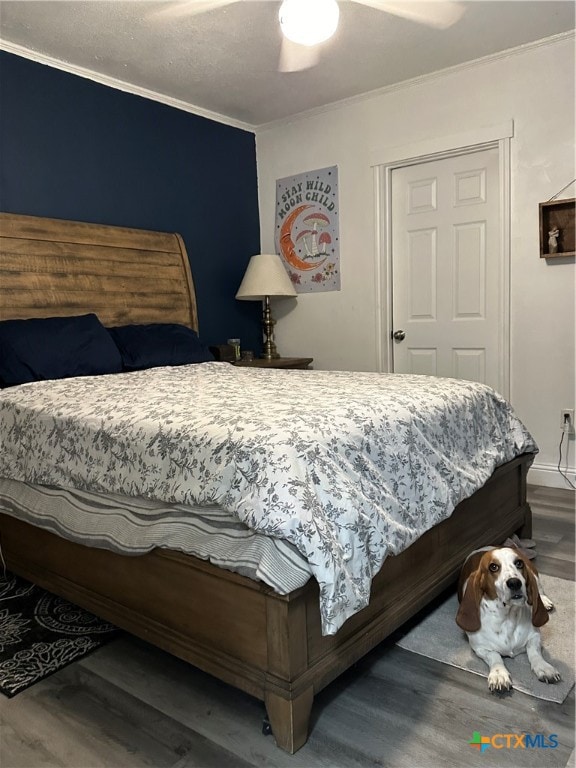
(287, 245)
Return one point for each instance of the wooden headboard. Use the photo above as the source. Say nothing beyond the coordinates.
(52, 267)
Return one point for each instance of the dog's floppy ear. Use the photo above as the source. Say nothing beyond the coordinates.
(539, 612)
(468, 616)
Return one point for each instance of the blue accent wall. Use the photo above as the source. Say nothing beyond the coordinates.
(74, 149)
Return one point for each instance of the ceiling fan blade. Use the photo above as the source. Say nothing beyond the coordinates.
(434, 13)
(177, 10)
(295, 57)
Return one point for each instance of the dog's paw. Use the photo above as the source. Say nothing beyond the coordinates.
(546, 673)
(499, 680)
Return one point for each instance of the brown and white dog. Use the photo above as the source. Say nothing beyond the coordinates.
(501, 609)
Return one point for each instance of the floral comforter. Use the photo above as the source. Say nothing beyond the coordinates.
(349, 467)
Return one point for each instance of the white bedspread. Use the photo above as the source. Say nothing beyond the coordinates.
(349, 467)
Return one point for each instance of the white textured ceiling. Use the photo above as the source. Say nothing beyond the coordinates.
(224, 62)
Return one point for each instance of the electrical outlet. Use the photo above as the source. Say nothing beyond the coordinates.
(567, 420)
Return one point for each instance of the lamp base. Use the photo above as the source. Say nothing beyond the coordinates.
(270, 352)
(269, 355)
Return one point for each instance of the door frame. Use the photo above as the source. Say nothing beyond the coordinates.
(491, 137)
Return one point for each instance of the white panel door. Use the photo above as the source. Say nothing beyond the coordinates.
(446, 267)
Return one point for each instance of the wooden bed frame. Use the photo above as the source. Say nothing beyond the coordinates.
(237, 629)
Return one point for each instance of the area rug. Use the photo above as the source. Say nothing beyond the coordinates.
(41, 633)
(438, 636)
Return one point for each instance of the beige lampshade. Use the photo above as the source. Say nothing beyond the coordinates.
(265, 276)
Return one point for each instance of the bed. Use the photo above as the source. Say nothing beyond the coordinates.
(273, 646)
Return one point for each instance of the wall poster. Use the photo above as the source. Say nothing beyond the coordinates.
(307, 236)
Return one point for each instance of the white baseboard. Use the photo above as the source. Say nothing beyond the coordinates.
(548, 476)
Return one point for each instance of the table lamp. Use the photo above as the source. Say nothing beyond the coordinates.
(265, 276)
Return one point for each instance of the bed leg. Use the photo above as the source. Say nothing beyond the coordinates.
(525, 531)
(289, 718)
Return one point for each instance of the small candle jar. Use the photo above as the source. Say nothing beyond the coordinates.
(236, 344)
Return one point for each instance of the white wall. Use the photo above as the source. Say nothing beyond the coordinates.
(533, 87)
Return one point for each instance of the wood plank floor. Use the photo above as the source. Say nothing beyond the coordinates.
(131, 705)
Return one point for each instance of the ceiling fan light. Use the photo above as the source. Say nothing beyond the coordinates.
(309, 22)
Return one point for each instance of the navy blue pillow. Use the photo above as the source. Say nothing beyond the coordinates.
(148, 346)
(55, 348)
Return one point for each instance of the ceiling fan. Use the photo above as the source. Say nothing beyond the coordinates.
(305, 24)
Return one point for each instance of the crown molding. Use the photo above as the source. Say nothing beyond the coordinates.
(121, 85)
(419, 80)
(27, 53)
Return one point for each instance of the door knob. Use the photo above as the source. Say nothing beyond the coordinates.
(399, 335)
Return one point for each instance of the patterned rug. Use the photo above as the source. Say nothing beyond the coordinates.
(41, 633)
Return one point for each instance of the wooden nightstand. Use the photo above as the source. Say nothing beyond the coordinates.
(278, 362)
